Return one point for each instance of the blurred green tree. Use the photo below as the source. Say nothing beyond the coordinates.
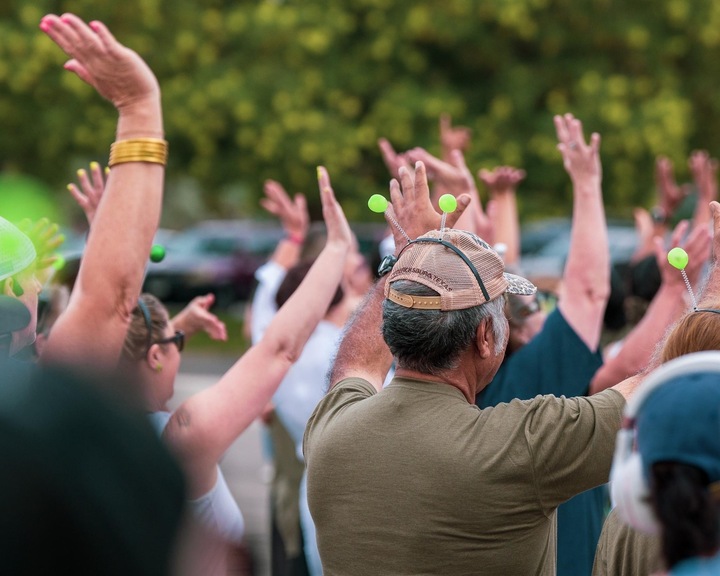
(263, 89)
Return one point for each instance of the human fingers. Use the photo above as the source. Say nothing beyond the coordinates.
(407, 183)
(59, 32)
(421, 188)
(463, 201)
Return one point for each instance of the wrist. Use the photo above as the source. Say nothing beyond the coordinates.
(659, 214)
(141, 119)
(295, 238)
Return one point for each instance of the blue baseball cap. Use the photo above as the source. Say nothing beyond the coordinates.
(680, 422)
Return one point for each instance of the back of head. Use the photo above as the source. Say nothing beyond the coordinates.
(694, 332)
(441, 287)
(147, 324)
(293, 279)
(666, 472)
(88, 484)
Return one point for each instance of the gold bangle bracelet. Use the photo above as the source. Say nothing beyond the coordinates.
(153, 150)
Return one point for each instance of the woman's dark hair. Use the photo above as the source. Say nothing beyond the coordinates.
(294, 278)
(688, 511)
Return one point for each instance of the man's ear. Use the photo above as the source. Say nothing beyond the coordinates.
(484, 338)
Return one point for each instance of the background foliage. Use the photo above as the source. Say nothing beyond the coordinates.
(272, 88)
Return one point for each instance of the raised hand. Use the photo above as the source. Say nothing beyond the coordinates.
(196, 317)
(91, 190)
(292, 212)
(704, 171)
(502, 179)
(338, 229)
(452, 137)
(392, 159)
(412, 208)
(670, 195)
(115, 71)
(580, 159)
(46, 239)
(697, 246)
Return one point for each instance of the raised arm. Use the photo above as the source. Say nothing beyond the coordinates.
(362, 352)
(501, 183)
(204, 426)
(586, 279)
(294, 218)
(670, 302)
(196, 317)
(711, 293)
(452, 137)
(704, 171)
(455, 178)
(111, 273)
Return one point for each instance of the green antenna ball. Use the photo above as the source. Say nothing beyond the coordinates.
(447, 203)
(157, 253)
(59, 262)
(678, 258)
(378, 203)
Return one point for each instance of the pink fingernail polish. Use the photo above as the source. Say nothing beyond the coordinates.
(45, 25)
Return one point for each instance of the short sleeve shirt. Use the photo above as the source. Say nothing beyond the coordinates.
(415, 480)
(558, 362)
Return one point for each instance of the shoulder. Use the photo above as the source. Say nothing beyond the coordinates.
(336, 402)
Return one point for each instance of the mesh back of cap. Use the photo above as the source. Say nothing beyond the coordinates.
(16, 250)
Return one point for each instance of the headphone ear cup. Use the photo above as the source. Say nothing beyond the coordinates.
(630, 495)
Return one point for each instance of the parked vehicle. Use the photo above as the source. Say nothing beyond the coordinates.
(218, 256)
(545, 245)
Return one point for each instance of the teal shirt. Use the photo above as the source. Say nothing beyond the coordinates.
(557, 362)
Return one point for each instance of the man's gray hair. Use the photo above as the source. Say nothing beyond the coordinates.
(431, 341)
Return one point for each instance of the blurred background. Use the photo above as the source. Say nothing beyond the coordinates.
(270, 89)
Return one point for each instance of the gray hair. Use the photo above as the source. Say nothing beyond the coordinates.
(431, 341)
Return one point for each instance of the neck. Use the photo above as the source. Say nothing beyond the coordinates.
(455, 378)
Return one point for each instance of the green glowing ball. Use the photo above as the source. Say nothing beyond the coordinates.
(157, 253)
(678, 258)
(378, 203)
(447, 203)
(59, 262)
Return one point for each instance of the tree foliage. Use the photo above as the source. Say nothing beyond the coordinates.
(263, 89)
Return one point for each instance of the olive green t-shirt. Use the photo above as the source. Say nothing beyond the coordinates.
(622, 551)
(415, 480)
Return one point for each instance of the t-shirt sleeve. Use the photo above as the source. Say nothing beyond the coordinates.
(342, 397)
(571, 443)
(269, 276)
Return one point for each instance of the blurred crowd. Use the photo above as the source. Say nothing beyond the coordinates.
(446, 413)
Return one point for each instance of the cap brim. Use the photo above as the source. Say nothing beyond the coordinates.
(519, 285)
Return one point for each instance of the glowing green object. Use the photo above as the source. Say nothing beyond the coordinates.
(678, 258)
(447, 203)
(157, 253)
(59, 262)
(378, 203)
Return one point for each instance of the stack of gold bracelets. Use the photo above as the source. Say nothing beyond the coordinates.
(153, 150)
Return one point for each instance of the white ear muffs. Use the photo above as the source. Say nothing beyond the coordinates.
(628, 489)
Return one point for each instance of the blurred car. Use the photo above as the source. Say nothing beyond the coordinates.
(543, 257)
(218, 256)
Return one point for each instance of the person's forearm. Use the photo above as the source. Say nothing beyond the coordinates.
(586, 278)
(205, 425)
(507, 225)
(362, 352)
(637, 349)
(711, 291)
